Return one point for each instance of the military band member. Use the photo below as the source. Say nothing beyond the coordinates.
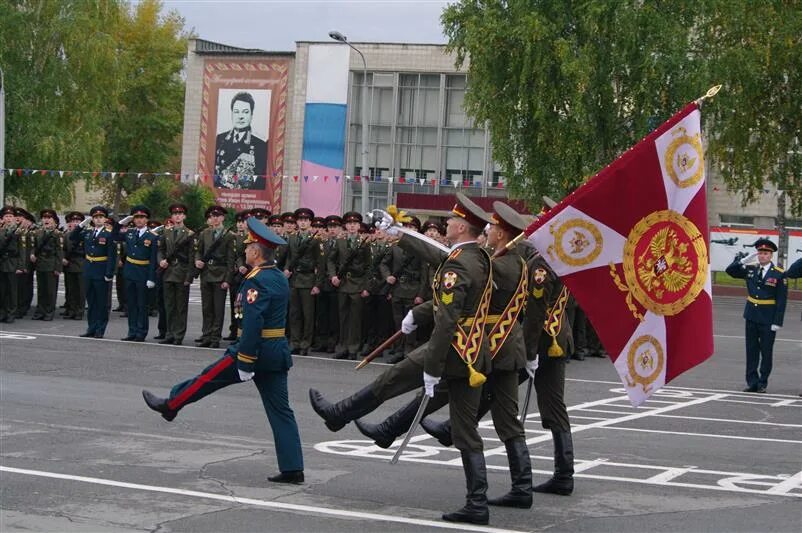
(462, 293)
(46, 255)
(214, 259)
(327, 329)
(240, 268)
(261, 354)
(74, 287)
(11, 263)
(101, 259)
(764, 310)
(347, 267)
(305, 270)
(176, 256)
(25, 228)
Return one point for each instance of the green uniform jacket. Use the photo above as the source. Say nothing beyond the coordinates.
(407, 268)
(11, 249)
(544, 289)
(75, 255)
(176, 246)
(350, 261)
(48, 247)
(26, 246)
(378, 251)
(220, 265)
(506, 276)
(305, 260)
(238, 244)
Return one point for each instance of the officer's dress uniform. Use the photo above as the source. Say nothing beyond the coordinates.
(217, 269)
(262, 348)
(48, 249)
(119, 281)
(10, 262)
(350, 262)
(177, 247)
(101, 260)
(238, 245)
(795, 270)
(141, 247)
(74, 285)
(305, 262)
(765, 306)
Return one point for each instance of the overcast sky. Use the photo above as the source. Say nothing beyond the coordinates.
(275, 25)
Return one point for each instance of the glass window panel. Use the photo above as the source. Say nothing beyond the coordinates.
(475, 138)
(454, 138)
(428, 136)
(428, 107)
(430, 80)
(429, 161)
(383, 156)
(383, 79)
(406, 106)
(455, 159)
(455, 115)
(456, 82)
(379, 134)
(408, 80)
(476, 159)
(407, 135)
(382, 106)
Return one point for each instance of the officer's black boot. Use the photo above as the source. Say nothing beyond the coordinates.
(439, 430)
(562, 482)
(520, 495)
(159, 405)
(475, 510)
(337, 415)
(395, 425)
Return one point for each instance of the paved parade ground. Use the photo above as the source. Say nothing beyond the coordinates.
(81, 452)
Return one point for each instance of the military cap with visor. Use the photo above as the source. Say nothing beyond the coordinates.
(258, 232)
(140, 211)
(467, 210)
(304, 212)
(334, 220)
(352, 216)
(242, 216)
(215, 210)
(99, 210)
(765, 245)
(177, 208)
(508, 218)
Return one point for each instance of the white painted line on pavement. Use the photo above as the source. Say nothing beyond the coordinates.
(708, 435)
(278, 506)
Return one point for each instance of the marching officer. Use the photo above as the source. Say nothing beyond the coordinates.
(327, 328)
(764, 310)
(176, 254)
(101, 258)
(11, 263)
(47, 253)
(25, 228)
(305, 269)
(240, 267)
(139, 272)
(74, 288)
(214, 259)
(347, 267)
(261, 354)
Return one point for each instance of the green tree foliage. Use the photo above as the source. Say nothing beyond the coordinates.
(565, 87)
(165, 191)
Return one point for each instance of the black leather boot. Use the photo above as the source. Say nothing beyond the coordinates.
(439, 430)
(337, 415)
(562, 482)
(475, 510)
(520, 495)
(395, 425)
(159, 405)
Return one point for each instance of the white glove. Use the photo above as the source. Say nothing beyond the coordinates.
(107, 279)
(531, 366)
(749, 259)
(408, 324)
(85, 222)
(428, 384)
(244, 376)
(126, 220)
(775, 327)
(150, 284)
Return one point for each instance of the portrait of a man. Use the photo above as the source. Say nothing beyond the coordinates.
(240, 160)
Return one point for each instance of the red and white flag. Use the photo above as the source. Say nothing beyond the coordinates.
(632, 246)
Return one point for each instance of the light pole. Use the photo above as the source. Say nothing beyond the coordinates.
(2, 138)
(337, 36)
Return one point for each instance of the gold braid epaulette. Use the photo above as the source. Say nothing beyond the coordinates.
(554, 322)
(501, 329)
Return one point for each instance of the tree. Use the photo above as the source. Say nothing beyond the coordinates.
(59, 59)
(565, 87)
(165, 191)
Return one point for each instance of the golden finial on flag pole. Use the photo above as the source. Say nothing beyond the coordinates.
(713, 91)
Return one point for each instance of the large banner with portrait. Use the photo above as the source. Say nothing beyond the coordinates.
(243, 117)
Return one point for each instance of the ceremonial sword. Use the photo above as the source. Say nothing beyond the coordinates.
(415, 422)
(531, 381)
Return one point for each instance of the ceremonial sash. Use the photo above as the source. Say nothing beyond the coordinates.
(554, 322)
(502, 328)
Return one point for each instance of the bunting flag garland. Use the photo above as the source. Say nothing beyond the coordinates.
(456, 182)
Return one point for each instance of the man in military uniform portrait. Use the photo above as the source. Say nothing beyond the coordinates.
(47, 253)
(11, 262)
(764, 310)
(74, 287)
(176, 256)
(240, 160)
(214, 260)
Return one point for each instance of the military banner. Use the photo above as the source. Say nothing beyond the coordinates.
(632, 246)
(243, 117)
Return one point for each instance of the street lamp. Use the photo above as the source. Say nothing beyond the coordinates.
(337, 36)
(2, 138)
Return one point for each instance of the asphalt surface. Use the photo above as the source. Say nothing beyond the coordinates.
(81, 452)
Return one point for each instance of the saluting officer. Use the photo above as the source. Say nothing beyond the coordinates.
(764, 310)
(305, 269)
(214, 258)
(261, 354)
(11, 263)
(46, 255)
(101, 259)
(139, 272)
(176, 255)
(74, 287)
(25, 228)
(240, 267)
(347, 266)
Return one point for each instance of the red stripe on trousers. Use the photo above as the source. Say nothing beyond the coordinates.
(201, 381)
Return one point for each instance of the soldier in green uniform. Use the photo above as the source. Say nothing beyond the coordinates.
(327, 327)
(434, 230)
(305, 270)
(240, 268)
(47, 253)
(11, 262)
(457, 353)
(73, 262)
(347, 267)
(176, 253)
(377, 305)
(214, 259)
(25, 228)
